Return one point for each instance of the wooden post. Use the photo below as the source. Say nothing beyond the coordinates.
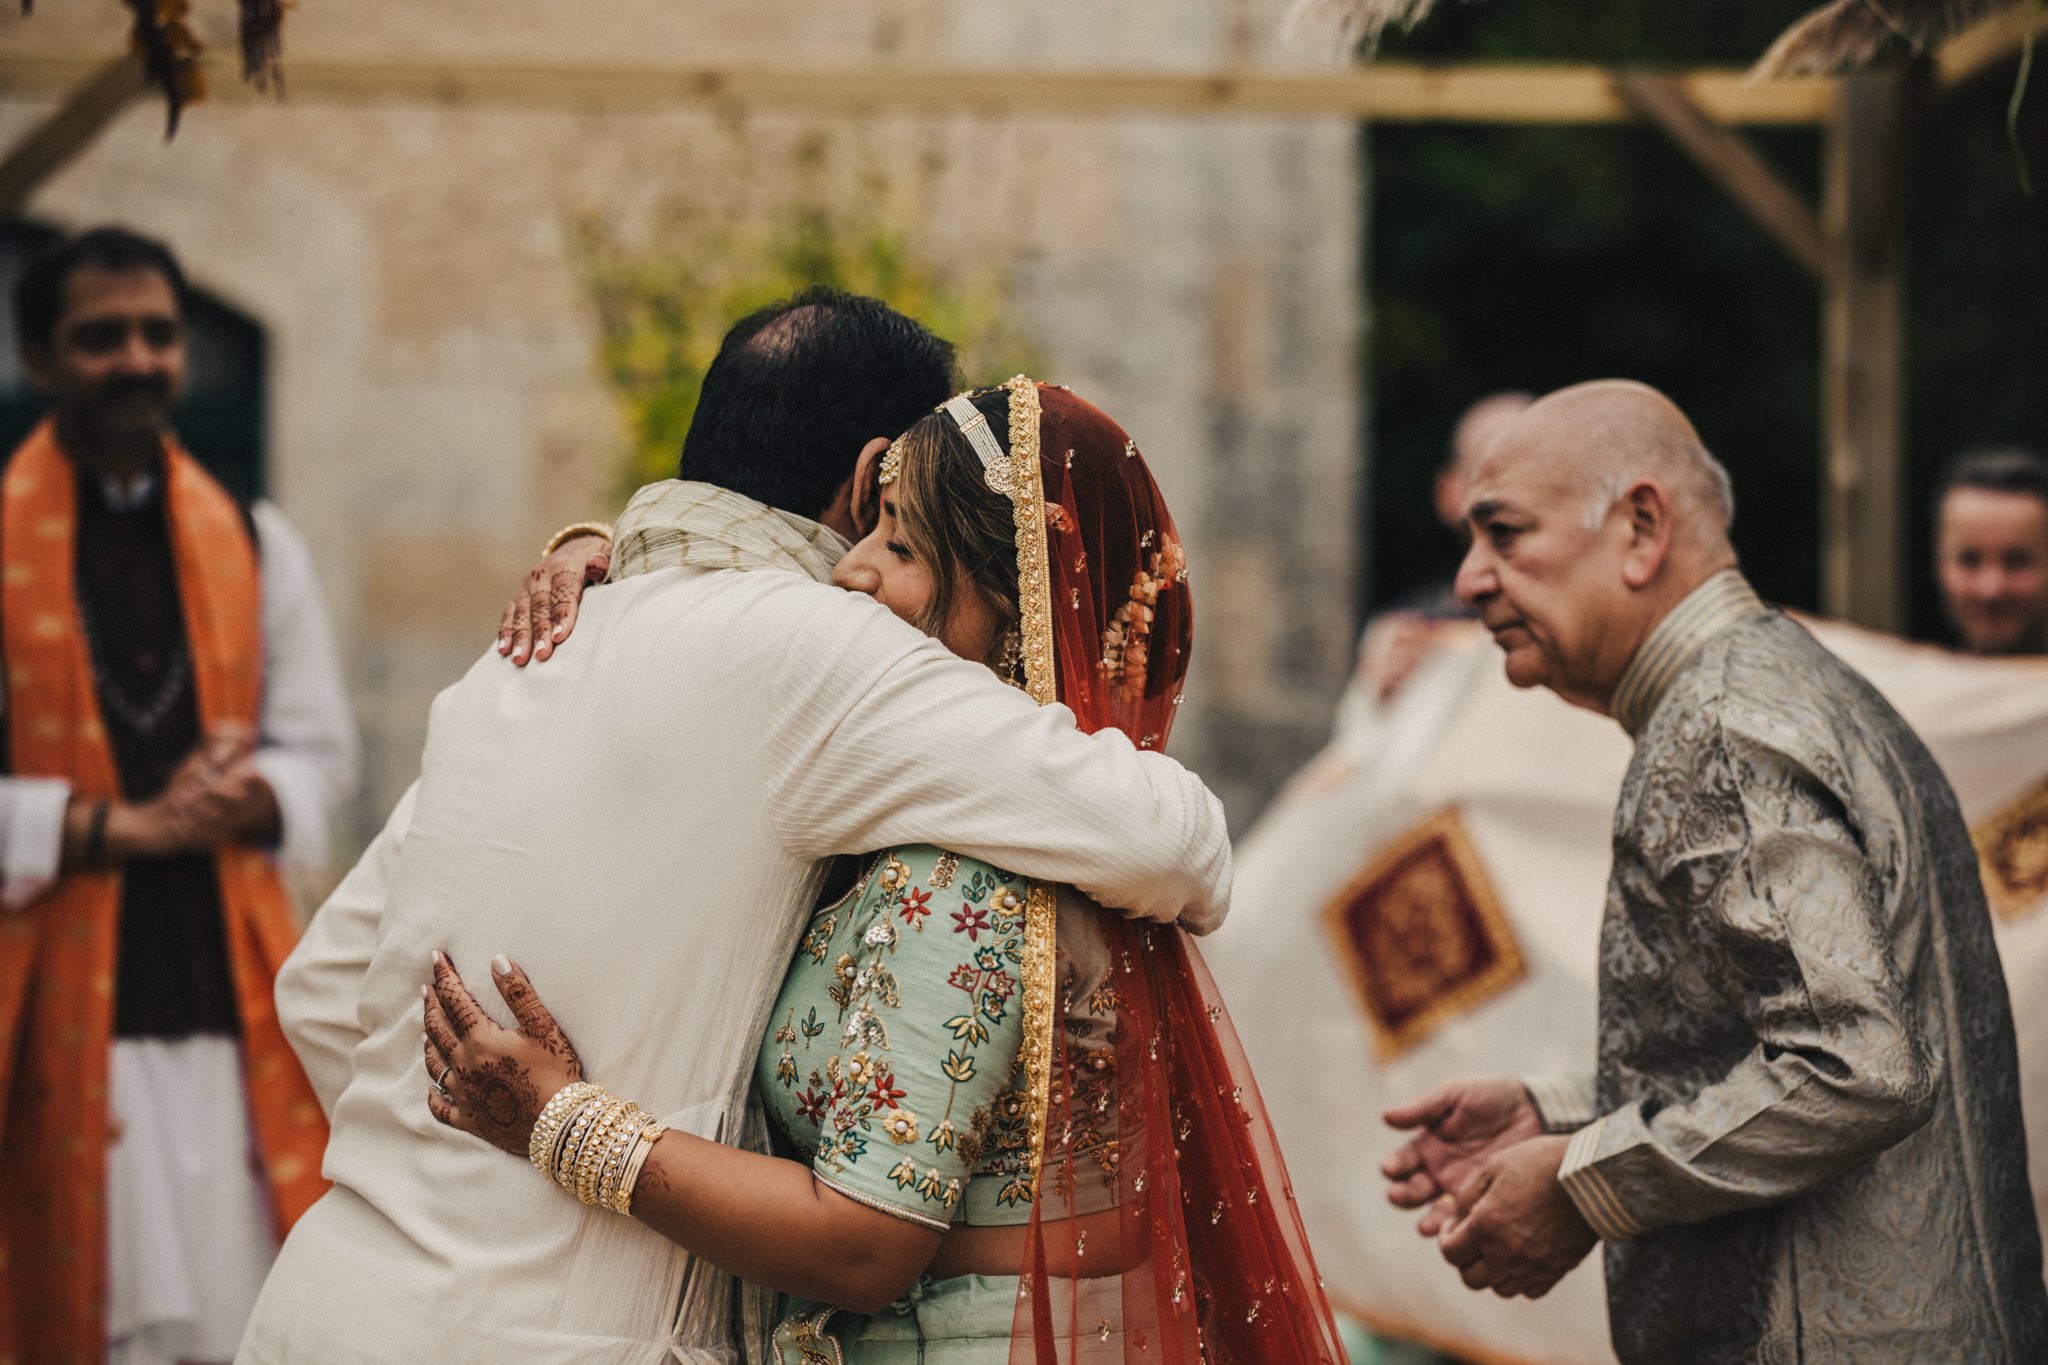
(1729, 160)
(1862, 367)
(69, 130)
(1499, 92)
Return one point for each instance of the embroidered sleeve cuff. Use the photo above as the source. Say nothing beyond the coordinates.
(1588, 1188)
(1564, 1103)
(881, 1205)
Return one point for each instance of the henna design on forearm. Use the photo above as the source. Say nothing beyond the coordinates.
(654, 1184)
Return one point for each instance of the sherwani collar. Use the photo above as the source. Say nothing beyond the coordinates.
(1707, 610)
(678, 524)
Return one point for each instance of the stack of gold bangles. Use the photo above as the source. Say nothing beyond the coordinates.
(593, 1145)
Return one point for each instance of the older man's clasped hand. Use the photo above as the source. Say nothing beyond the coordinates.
(1484, 1172)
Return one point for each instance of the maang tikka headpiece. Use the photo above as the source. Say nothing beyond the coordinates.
(1015, 477)
(973, 424)
(892, 463)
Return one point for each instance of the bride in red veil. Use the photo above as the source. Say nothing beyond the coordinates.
(1155, 1159)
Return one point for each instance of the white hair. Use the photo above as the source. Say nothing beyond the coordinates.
(1691, 472)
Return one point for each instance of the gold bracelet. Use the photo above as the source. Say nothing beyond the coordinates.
(571, 1132)
(554, 1116)
(563, 1166)
(614, 1165)
(590, 1160)
(630, 1180)
(611, 1157)
(570, 1164)
(607, 1165)
(575, 529)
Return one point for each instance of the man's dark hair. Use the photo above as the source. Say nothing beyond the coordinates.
(800, 386)
(1997, 469)
(39, 293)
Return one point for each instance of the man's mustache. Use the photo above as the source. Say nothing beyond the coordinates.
(124, 387)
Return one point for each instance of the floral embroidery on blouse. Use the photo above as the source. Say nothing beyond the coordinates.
(894, 1058)
(894, 1061)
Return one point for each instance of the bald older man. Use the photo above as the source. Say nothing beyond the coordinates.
(1803, 1138)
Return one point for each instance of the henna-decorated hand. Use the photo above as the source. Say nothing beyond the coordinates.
(496, 1079)
(543, 612)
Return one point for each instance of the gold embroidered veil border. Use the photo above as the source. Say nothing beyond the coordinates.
(1034, 601)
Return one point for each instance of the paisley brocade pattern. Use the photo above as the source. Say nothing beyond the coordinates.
(1811, 1147)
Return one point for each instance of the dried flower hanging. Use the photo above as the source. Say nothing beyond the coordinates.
(1358, 22)
(169, 48)
(1848, 33)
(262, 30)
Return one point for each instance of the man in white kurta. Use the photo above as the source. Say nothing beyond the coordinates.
(639, 824)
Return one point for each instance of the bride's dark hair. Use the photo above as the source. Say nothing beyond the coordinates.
(959, 528)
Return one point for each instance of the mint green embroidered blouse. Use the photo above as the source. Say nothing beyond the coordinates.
(892, 1060)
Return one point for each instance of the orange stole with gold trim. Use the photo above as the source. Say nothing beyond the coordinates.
(1421, 934)
(57, 957)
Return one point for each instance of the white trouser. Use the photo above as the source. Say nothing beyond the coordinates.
(188, 1218)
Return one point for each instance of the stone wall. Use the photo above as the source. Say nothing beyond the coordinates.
(437, 407)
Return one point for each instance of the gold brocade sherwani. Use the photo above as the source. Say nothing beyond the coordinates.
(1808, 1144)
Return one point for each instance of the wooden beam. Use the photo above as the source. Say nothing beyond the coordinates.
(1986, 45)
(91, 104)
(1732, 163)
(1457, 94)
(1863, 358)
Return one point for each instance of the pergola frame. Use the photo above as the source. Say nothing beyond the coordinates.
(1852, 243)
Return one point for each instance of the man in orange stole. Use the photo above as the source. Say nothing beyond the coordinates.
(135, 975)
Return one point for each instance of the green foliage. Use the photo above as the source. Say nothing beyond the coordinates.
(1533, 258)
(664, 308)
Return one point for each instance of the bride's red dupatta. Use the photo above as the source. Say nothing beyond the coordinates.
(1164, 1228)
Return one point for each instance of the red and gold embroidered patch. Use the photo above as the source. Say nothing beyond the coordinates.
(2012, 854)
(1422, 934)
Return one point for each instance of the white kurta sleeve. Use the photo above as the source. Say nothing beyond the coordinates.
(31, 835)
(321, 983)
(884, 737)
(307, 749)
